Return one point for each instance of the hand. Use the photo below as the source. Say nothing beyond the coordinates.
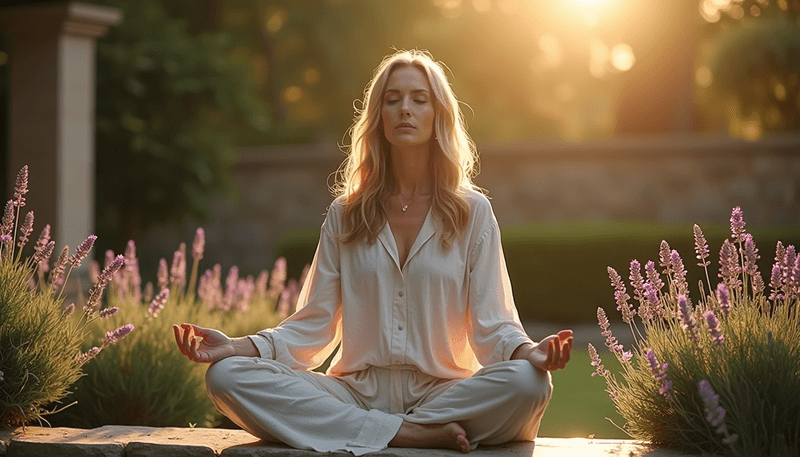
(203, 345)
(552, 353)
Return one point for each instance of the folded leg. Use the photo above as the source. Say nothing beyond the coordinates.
(500, 403)
(305, 410)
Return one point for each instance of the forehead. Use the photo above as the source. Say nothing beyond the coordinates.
(407, 78)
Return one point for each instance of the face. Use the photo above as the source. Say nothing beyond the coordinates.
(407, 108)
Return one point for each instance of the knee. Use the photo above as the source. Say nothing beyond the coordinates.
(531, 384)
(220, 376)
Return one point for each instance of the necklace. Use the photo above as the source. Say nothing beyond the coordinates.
(403, 206)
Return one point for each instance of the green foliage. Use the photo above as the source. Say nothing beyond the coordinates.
(754, 369)
(544, 260)
(144, 379)
(38, 347)
(170, 106)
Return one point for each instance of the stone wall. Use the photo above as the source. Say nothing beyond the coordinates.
(686, 178)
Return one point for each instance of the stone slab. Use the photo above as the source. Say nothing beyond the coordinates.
(122, 441)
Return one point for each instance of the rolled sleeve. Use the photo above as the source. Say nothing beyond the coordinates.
(496, 328)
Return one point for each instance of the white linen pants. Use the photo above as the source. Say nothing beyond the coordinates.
(363, 411)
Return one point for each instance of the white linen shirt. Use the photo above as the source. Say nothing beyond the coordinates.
(446, 312)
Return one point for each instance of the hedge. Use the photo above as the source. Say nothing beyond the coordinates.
(558, 271)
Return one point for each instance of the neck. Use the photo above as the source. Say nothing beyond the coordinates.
(411, 171)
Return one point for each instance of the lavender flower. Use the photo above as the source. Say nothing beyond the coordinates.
(108, 312)
(757, 284)
(700, 247)
(163, 274)
(687, 322)
(787, 264)
(148, 292)
(650, 303)
(21, 187)
(737, 225)
(231, 288)
(116, 335)
(713, 328)
(176, 276)
(44, 238)
(57, 274)
(26, 229)
(42, 256)
(664, 253)
(715, 414)
(261, 283)
(678, 273)
(611, 341)
(621, 296)
(277, 280)
(7, 224)
(133, 279)
(637, 282)
(729, 268)
(724, 298)
(750, 255)
(102, 280)
(158, 303)
(659, 371)
(82, 251)
(283, 303)
(199, 244)
(600, 370)
(88, 355)
(652, 275)
(69, 310)
(776, 282)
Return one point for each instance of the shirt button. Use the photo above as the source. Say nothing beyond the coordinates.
(400, 293)
(400, 327)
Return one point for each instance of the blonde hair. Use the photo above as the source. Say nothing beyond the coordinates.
(364, 182)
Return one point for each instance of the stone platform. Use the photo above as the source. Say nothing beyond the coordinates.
(121, 441)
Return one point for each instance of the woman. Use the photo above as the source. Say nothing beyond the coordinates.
(409, 277)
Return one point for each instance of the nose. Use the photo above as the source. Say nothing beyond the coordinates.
(405, 109)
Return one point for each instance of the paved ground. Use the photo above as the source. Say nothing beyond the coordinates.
(119, 441)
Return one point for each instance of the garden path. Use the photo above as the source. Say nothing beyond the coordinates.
(120, 441)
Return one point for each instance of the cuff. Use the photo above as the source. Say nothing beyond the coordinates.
(514, 343)
(264, 346)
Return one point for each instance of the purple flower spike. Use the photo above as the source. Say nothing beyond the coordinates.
(750, 255)
(158, 303)
(637, 282)
(88, 355)
(69, 310)
(261, 283)
(729, 268)
(678, 273)
(7, 224)
(96, 292)
(108, 312)
(597, 363)
(57, 274)
(687, 322)
(176, 276)
(664, 253)
(82, 251)
(163, 274)
(277, 280)
(700, 247)
(44, 238)
(116, 335)
(611, 341)
(724, 298)
(715, 414)
(21, 187)
(621, 296)
(659, 371)
(776, 282)
(199, 244)
(737, 225)
(713, 328)
(26, 229)
(42, 256)
(652, 275)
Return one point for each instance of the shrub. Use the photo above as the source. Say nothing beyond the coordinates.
(145, 380)
(717, 376)
(40, 345)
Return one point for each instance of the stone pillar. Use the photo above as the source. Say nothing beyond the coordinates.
(51, 111)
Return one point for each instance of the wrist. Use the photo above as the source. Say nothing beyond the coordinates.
(244, 347)
(522, 351)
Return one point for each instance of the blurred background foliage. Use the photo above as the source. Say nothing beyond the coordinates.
(181, 84)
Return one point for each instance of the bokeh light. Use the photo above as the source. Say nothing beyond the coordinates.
(622, 57)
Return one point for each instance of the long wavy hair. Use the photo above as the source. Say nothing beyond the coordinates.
(365, 180)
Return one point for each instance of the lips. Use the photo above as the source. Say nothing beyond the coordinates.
(405, 125)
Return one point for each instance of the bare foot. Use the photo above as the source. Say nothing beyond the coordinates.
(450, 436)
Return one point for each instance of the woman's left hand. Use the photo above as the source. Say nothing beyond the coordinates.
(552, 353)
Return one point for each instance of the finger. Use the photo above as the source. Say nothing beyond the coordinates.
(193, 348)
(551, 348)
(187, 333)
(180, 337)
(565, 334)
(557, 353)
(177, 331)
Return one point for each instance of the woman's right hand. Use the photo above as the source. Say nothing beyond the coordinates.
(203, 345)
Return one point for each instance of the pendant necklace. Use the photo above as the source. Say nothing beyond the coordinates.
(403, 206)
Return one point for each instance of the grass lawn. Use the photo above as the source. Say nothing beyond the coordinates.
(580, 404)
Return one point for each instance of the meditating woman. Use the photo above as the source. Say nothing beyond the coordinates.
(409, 278)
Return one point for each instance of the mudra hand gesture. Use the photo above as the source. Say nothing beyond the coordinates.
(552, 353)
(203, 345)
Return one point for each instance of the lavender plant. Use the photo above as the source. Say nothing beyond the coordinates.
(719, 374)
(40, 339)
(145, 380)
